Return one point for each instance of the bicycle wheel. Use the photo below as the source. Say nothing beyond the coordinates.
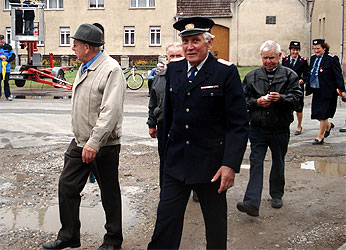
(135, 81)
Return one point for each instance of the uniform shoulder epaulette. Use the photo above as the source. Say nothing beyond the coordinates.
(285, 57)
(224, 62)
(330, 54)
(177, 59)
(303, 58)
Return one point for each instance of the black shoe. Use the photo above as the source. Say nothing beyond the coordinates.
(59, 244)
(317, 142)
(246, 208)
(195, 197)
(276, 203)
(298, 132)
(327, 132)
(105, 246)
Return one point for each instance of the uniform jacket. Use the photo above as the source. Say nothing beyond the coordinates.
(157, 95)
(9, 53)
(329, 76)
(301, 67)
(279, 115)
(97, 103)
(205, 122)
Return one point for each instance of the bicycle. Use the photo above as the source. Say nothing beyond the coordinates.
(134, 80)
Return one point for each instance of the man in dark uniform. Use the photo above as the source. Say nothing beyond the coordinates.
(300, 65)
(205, 133)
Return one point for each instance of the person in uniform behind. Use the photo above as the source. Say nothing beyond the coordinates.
(97, 115)
(300, 65)
(325, 78)
(155, 113)
(205, 133)
(272, 91)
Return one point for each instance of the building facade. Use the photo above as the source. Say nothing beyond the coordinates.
(132, 27)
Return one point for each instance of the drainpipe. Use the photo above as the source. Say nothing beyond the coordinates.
(342, 30)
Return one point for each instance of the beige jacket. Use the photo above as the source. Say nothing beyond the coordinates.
(97, 103)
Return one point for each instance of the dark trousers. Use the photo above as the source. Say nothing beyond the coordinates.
(170, 214)
(6, 85)
(71, 183)
(150, 84)
(277, 143)
(161, 149)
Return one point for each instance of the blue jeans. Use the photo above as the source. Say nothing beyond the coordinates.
(260, 141)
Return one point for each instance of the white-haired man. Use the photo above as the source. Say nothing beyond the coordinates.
(157, 94)
(272, 92)
(205, 135)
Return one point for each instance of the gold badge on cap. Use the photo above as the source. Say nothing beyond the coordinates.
(189, 26)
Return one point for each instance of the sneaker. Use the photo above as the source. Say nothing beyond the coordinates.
(343, 129)
(276, 203)
(9, 98)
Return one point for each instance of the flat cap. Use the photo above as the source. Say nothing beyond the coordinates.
(317, 41)
(193, 25)
(89, 34)
(294, 44)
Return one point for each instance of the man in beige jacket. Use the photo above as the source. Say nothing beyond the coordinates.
(97, 114)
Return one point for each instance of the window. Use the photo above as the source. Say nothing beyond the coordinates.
(155, 35)
(54, 4)
(129, 36)
(270, 19)
(6, 5)
(8, 35)
(96, 4)
(64, 36)
(142, 3)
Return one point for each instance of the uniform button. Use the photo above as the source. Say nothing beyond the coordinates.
(187, 142)
(170, 89)
(187, 126)
(187, 110)
(188, 93)
(211, 94)
(220, 142)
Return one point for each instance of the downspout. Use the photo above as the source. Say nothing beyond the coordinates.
(342, 30)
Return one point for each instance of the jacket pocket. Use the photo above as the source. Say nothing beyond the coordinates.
(211, 92)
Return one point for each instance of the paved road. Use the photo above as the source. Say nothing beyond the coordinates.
(45, 121)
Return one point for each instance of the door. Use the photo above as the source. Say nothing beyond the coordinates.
(221, 42)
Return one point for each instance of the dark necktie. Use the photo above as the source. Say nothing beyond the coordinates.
(193, 71)
(292, 63)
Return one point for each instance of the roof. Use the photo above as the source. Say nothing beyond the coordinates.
(207, 8)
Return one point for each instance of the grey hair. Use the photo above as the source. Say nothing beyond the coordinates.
(207, 36)
(174, 44)
(270, 45)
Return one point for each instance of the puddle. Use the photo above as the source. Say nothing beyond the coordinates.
(47, 218)
(328, 168)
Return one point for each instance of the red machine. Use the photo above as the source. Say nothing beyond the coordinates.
(31, 70)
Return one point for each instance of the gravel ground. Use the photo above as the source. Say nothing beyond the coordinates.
(313, 215)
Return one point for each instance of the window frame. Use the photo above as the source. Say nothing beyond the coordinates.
(153, 30)
(271, 20)
(8, 4)
(47, 7)
(97, 5)
(147, 4)
(8, 35)
(62, 31)
(128, 30)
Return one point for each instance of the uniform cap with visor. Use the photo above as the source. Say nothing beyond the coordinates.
(193, 26)
(89, 34)
(318, 41)
(294, 44)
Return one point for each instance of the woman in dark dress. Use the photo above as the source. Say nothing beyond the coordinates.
(300, 65)
(325, 78)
